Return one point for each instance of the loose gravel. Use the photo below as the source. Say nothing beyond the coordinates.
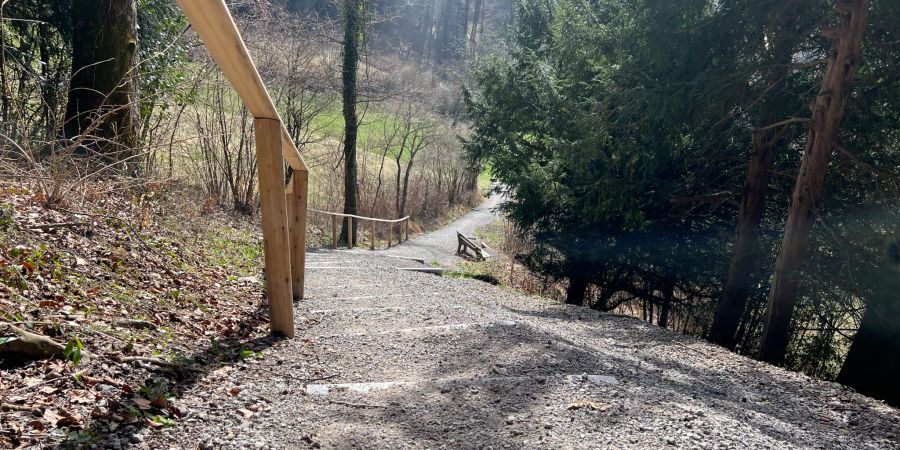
(392, 359)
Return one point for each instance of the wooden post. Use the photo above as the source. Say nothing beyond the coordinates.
(372, 240)
(276, 240)
(407, 228)
(390, 233)
(350, 233)
(334, 235)
(297, 204)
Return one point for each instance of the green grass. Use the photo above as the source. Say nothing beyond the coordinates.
(330, 123)
(235, 248)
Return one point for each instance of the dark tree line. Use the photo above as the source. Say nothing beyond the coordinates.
(727, 169)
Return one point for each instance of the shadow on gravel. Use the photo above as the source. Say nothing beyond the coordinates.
(512, 368)
(746, 385)
(184, 375)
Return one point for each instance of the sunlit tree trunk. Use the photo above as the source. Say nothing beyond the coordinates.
(103, 93)
(827, 112)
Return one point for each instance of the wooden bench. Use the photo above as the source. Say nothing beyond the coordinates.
(465, 244)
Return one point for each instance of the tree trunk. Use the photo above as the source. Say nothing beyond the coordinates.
(872, 366)
(577, 289)
(48, 87)
(352, 30)
(666, 306)
(827, 111)
(405, 188)
(103, 93)
(479, 4)
(743, 270)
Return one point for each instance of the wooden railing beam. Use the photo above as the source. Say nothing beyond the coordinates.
(213, 23)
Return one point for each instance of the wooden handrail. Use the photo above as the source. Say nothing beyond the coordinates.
(401, 230)
(213, 23)
(283, 208)
(372, 219)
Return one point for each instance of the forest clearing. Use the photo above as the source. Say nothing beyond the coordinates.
(449, 224)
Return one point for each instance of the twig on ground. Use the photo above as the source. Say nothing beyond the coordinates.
(51, 226)
(12, 407)
(356, 405)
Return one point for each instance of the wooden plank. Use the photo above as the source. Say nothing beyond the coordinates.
(297, 203)
(372, 238)
(276, 240)
(334, 235)
(213, 23)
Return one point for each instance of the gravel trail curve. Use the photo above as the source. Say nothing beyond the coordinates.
(440, 245)
(392, 359)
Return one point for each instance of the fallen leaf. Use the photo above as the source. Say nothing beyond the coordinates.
(234, 392)
(69, 421)
(142, 403)
(159, 402)
(81, 396)
(245, 413)
(51, 416)
(36, 425)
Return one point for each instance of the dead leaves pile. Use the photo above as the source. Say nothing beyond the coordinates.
(125, 275)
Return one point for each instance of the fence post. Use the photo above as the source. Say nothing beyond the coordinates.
(407, 228)
(349, 233)
(276, 240)
(334, 236)
(372, 240)
(390, 233)
(297, 204)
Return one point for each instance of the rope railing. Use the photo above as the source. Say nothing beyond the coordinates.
(403, 231)
(283, 208)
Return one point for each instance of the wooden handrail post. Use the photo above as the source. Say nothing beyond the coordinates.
(334, 235)
(407, 228)
(350, 233)
(372, 239)
(297, 204)
(390, 234)
(276, 240)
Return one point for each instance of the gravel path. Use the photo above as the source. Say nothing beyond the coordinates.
(440, 246)
(392, 359)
